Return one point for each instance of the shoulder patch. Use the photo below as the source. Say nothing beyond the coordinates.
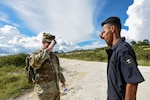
(129, 61)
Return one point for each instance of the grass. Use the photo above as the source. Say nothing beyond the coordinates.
(144, 62)
(99, 54)
(12, 82)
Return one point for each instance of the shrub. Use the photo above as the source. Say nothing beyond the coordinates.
(16, 60)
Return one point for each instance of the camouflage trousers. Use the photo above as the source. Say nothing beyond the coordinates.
(47, 91)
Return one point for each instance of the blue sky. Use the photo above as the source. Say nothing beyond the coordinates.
(75, 23)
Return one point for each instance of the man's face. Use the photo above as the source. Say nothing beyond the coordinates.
(45, 44)
(107, 34)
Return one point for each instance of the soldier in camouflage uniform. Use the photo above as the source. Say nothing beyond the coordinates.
(47, 70)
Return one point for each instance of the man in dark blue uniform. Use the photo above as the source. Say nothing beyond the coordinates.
(122, 72)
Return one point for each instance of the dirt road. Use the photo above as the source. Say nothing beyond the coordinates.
(87, 81)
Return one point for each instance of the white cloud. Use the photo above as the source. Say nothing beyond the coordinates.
(64, 45)
(70, 19)
(138, 21)
(12, 41)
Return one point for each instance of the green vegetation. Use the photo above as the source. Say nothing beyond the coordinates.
(16, 60)
(97, 54)
(142, 50)
(13, 81)
(143, 54)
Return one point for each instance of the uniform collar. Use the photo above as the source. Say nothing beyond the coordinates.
(118, 43)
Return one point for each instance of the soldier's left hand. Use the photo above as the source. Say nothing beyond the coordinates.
(63, 84)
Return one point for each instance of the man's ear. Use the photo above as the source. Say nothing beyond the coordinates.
(113, 28)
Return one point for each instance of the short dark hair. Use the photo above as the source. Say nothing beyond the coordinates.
(113, 21)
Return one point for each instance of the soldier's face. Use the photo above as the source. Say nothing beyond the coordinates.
(45, 44)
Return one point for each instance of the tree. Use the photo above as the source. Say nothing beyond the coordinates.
(133, 42)
(145, 42)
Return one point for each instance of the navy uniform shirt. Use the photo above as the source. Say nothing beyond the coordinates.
(121, 70)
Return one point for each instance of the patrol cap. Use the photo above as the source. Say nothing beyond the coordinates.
(47, 37)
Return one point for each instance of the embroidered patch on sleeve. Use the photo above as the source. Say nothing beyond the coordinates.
(129, 61)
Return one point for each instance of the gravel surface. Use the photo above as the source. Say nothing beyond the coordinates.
(87, 81)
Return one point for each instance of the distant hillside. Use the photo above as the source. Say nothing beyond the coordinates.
(99, 54)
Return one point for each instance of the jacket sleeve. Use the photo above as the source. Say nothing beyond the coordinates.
(37, 58)
(61, 76)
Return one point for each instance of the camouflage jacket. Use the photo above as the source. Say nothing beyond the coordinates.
(46, 67)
